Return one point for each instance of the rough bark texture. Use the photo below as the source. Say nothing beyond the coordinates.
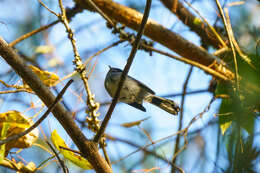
(88, 148)
(158, 33)
(188, 19)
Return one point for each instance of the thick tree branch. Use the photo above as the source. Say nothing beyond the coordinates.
(160, 34)
(88, 148)
(189, 19)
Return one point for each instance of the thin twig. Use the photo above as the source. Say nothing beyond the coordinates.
(166, 95)
(93, 106)
(229, 34)
(176, 147)
(64, 20)
(88, 60)
(125, 71)
(51, 107)
(27, 35)
(17, 91)
(48, 8)
(148, 152)
(226, 77)
(193, 120)
(223, 44)
(160, 34)
(202, 29)
(187, 93)
(102, 50)
(43, 165)
(11, 86)
(110, 21)
(106, 155)
(146, 146)
(71, 13)
(61, 162)
(88, 148)
(235, 44)
(18, 87)
(106, 17)
(162, 139)
(203, 112)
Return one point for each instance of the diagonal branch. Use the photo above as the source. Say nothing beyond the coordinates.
(160, 34)
(38, 122)
(88, 148)
(187, 18)
(125, 71)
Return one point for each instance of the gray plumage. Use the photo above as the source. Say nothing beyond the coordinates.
(135, 92)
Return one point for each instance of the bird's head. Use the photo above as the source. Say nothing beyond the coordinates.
(112, 69)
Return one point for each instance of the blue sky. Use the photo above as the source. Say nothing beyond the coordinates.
(162, 74)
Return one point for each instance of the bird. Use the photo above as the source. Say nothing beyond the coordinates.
(134, 93)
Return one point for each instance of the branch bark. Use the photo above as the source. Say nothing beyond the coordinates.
(188, 19)
(160, 34)
(88, 148)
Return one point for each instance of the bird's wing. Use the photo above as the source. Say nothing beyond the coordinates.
(142, 85)
(137, 106)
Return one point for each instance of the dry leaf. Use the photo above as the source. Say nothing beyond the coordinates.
(17, 124)
(48, 78)
(134, 123)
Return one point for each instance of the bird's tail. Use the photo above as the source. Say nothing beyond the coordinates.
(163, 103)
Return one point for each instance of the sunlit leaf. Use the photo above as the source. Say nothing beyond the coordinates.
(53, 62)
(19, 166)
(18, 123)
(15, 118)
(3, 136)
(224, 126)
(134, 123)
(44, 49)
(197, 21)
(48, 78)
(71, 156)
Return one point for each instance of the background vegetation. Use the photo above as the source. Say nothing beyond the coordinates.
(202, 54)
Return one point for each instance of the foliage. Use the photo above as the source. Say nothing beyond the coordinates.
(193, 141)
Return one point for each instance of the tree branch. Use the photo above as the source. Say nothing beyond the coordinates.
(38, 122)
(88, 148)
(158, 33)
(187, 18)
(125, 71)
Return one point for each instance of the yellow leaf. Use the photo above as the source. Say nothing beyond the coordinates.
(15, 118)
(197, 21)
(3, 136)
(71, 156)
(17, 124)
(44, 49)
(225, 126)
(134, 123)
(53, 62)
(48, 78)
